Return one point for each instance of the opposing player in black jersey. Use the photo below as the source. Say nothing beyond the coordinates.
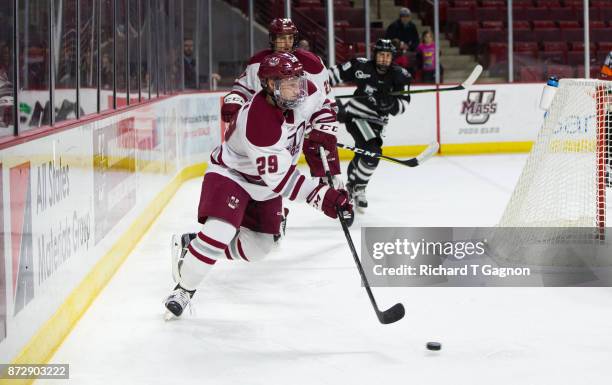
(366, 116)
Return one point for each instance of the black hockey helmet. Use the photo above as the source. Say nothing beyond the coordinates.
(384, 45)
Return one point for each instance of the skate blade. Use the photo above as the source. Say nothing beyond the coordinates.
(168, 316)
(176, 253)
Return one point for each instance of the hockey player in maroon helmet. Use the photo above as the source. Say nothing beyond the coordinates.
(283, 38)
(249, 174)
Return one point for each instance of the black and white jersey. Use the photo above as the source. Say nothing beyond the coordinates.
(369, 82)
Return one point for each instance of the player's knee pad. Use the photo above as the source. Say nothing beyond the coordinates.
(250, 245)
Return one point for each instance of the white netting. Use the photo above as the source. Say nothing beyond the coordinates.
(565, 180)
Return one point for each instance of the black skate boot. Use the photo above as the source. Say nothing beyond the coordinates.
(357, 193)
(178, 301)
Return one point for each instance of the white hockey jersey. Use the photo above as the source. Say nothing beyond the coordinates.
(263, 146)
(248, 83)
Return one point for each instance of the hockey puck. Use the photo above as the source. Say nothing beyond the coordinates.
(434, 346)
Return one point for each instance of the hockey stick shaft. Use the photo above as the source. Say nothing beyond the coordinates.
(431, 150)
(465, 85)
(393, 314)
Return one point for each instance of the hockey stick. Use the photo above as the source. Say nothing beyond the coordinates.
(394, 313)
(463, 86)
(430, 151)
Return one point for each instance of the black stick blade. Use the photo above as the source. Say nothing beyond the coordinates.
(393, 314)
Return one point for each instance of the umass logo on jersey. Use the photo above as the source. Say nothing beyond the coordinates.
(479, 106)
(233, 202)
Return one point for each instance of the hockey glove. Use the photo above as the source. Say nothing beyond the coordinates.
(330, 201)
(388, 104)
(231, 105)
(317, 138)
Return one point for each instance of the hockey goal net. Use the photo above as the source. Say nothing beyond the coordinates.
(565, 182)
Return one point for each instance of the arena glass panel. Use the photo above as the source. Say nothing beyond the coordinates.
(65, 64)
(145, 48)
(107, 55)
(121, 42)
(34, 61)
(197, 43)
(133, 32)
(548, 39)
(7, 109)
(230, 44)
(88, 66)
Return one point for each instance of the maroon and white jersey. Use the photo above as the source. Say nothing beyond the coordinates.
(248, 83)
(263, 146)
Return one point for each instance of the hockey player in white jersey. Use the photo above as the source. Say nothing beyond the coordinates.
(283, 38)
(282, 35)
(249, 174)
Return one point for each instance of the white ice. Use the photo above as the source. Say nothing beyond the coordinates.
(302, 317)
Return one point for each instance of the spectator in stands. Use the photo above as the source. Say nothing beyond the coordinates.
(304, 44)
(107, 73)
(404, 29)
(401, 58)
(5, 59)
(190, 65)
(426, 58)
(606, 69)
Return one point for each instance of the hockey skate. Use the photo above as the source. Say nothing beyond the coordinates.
(177, 302)
(179, 249)
(357, 194)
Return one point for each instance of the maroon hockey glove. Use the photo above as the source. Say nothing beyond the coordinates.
(336, 200)
(315, 140)
(330, 201)
(231, 105)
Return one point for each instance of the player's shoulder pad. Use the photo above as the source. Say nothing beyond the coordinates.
(356, 63)
(259, 56)
(401, 74)
(311, 62)
(264, 122)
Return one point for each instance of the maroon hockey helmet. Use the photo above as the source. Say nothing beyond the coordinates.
(281, 26)
(280, 65)
(290, 84)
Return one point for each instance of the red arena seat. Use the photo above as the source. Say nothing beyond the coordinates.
(543, 24)
(554, 46)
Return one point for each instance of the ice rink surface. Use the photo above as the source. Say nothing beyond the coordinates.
(301, 316)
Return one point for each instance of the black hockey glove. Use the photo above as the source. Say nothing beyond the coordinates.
(388, 104)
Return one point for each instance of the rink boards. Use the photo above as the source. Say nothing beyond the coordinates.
(75, 202)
